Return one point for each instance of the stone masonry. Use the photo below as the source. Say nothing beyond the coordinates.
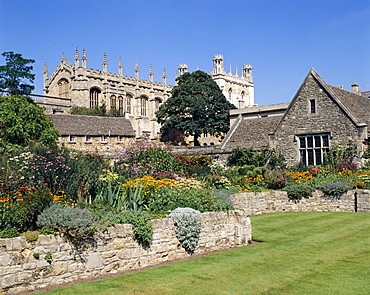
(23, 265)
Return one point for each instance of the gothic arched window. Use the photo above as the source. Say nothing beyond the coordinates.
(94, 97)
(143, 106)
(63, 88)
(128, 103)
(157, 103)
(120, 105)
(113, 102)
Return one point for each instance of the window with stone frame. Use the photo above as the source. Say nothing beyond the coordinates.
(113, 102)
(121, 105)
(94, 97)
(312, 104)
(128, 103)
(143, 106)
(157, 103)
(312, 148)
(63, 88)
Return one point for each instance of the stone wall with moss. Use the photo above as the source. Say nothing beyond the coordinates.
(53, 260)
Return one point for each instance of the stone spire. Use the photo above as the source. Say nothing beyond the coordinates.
(236, 71)
(46, 72)
(164, 77)
(120, 67)
(63, 58)
(105, 63)
(77, 59)
(137, 70)
(151, 73)
(84, 59)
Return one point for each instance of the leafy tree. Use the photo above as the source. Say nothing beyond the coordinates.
(173, 136)
(22, 122)
(16, 74)
(196, 106)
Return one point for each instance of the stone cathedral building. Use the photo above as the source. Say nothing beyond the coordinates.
(137, 99)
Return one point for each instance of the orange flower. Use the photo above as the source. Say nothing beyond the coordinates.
(17, 193)
(19, 199)
(23, 188)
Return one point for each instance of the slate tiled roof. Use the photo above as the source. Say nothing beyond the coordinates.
(357, 104)
(92, 125)
(251, 133)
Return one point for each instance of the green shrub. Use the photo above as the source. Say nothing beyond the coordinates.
(187, 223)
(334, 189)
(75, 222)
(31, 236)
(20, 210)
(46, 230)
(276, 179)
(298, 191)
(9, 233)
(48, 257)
(146, 158)
(142, 227)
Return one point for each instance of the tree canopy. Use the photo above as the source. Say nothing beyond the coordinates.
(16, 75)
(196, 106)
(22, 122)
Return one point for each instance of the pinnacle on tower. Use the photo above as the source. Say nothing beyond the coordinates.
(84, 59)
(77, 59)
(164, 77)
(120, 67)
(137, 70)
(105, 63)
(151, 74)
(46, 72)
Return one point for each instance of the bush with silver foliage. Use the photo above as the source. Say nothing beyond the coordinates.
(187, 226)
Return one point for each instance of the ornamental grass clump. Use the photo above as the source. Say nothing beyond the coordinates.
(75, 222)
(298, 191)
(187, 226)
(334, 190)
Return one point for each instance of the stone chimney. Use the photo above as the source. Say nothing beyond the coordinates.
(355, 88)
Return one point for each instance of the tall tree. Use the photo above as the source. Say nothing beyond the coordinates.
(22, 122)
(16, 75)
(196, 106)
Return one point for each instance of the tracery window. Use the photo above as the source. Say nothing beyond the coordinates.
(113, 102)
(121, 105)
(63, 88)
(143, 106)
(128, 103)
(230, 93)
(312, 148)
(94, 97)
(157, 103)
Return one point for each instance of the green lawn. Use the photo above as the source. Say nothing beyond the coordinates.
(300, 253)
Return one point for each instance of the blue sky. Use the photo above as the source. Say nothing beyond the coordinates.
(281, 39)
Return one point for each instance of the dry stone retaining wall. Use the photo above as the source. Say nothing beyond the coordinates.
(277, 201)
(23, 265)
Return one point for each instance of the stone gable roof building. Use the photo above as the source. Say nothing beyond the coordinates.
(319, 116)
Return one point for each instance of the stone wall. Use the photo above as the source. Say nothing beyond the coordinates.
(23, 265)
(328, 119)
(278, 201)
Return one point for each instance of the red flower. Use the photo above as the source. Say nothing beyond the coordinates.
(23, 189)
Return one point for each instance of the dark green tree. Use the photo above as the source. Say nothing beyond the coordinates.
(196, 106)
(22, 122)
(16, 75)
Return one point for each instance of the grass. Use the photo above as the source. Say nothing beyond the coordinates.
(300, 253)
